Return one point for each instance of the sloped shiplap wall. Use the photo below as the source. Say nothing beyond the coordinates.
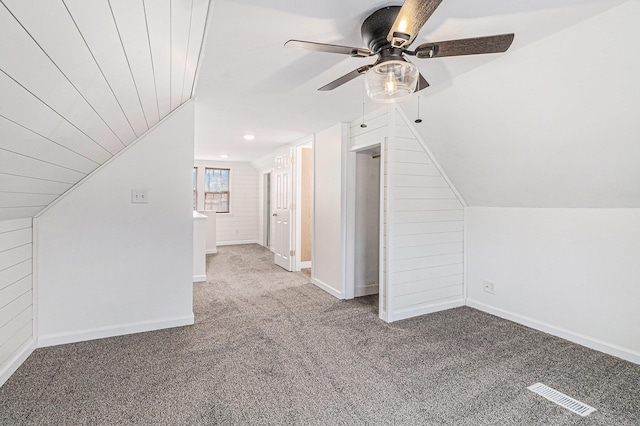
(80, 80)
(423, 228)
(16, 294)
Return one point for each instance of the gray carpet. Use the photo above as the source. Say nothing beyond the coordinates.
(270, 348)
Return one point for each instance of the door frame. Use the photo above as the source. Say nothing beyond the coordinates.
(297, 217)
(267, 226)
(350, 221)
(282, 162)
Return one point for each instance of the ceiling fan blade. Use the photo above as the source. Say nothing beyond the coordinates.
(467, 46)
(345, 78)
(422, 83)
(410, 19)
(359, 52)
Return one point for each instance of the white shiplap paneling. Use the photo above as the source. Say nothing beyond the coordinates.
(199, 13)
(98, 28)
(423, 226)
(39, 75)
(426, 240)
(180, 29)
(129, 15)
(158, 13)
(16, 290)
(51, 25)
(80, 80)
(241, 224)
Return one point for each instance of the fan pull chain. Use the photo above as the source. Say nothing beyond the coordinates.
(418, 120)
(363, 94)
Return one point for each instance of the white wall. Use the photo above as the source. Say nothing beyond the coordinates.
(570, 272)
(240, 225)
(328, 174)
(16, 294)
(108, 267)
(551, 124)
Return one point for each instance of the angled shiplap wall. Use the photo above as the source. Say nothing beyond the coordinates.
(423, 225)
(84, 80)
(16, 294)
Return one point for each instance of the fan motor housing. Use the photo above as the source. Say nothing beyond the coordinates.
(377, 26)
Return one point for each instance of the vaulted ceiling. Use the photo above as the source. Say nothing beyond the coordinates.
(551, 123)
(250, 83)
(82, 79)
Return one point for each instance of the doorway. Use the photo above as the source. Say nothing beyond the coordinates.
(266, 211)
(282, 213)
(304, 201)
(366, 244)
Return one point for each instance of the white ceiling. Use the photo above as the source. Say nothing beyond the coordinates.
(249, 83)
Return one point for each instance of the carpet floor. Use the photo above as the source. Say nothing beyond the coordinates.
(270, 348)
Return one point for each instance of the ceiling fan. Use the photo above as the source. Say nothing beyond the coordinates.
(388, 32)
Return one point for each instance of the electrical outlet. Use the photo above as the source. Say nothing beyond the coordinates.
(139, 196)
(489, 286)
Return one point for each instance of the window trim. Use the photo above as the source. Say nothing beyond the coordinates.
(227, 192)
(195, 190)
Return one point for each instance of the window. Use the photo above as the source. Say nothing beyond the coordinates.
(216, 190)
(195, 191)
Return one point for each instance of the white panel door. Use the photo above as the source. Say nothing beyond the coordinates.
(282, 213)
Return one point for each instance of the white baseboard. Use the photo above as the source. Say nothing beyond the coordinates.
(424, 309)
(236, 243)
(305, 265)
(111, 331)
(16, 360)
(332, 291)
(211, 251)
(366, 290)
(590, 342)
(199, 278)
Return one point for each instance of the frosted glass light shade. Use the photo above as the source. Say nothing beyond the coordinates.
(391, 81)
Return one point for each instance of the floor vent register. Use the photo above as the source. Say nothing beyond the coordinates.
(562, 399)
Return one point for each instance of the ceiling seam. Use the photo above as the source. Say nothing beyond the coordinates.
(23, 207)
(25, 192)
(153, 67)
(49, 139)
(37, 178)
(100, 68)
(205, 30)
(43, 161)
(128, 63)
(52, 109)
(186, 55)
(170, 53)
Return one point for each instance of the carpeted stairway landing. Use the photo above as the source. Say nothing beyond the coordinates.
(268, 347)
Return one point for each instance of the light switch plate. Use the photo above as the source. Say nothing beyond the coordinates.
(139, 196)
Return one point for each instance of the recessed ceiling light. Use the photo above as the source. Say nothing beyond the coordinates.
(249, 137)
(224, 156)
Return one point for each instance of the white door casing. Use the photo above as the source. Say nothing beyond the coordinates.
(281, 203)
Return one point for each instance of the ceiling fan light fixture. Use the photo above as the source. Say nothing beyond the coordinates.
(391, 81)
